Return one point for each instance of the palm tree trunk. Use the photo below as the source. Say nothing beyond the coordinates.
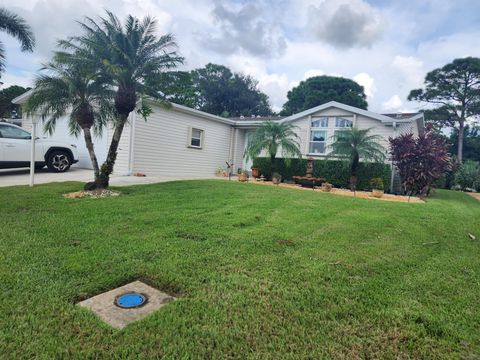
(107, 167)
(353, 172)
(89, 143)
(461, 130)
(272, 165)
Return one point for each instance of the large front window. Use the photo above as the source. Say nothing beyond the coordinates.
(321, 122)
(318, 141)
(343, 122)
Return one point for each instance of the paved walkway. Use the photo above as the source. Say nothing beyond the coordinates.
(12, 177)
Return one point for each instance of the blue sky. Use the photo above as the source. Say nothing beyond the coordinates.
(386, 45)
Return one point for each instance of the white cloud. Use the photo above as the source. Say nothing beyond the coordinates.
(410, 69)
(313, 72)
(367, 82)
(393, 104)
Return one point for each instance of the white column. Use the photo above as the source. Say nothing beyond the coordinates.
(32, 151)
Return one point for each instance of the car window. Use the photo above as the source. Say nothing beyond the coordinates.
(11, 132)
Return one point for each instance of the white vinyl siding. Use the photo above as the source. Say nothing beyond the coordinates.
(159, 144)
(122, 163)
(239, 150)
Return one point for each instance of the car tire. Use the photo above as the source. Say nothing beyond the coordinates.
(59, 161)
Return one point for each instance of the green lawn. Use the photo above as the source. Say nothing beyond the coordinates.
(261, 272)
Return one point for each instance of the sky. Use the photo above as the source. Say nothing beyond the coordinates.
(387, 46)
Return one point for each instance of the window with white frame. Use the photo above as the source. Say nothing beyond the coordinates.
(343, 122)
(321, 122)
(196, 138)
(318, 135)
(318, 141)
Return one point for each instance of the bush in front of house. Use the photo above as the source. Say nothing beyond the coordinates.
(336, 172)
(421, 160)
(468, 176)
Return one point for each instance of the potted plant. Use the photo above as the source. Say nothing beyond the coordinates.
(255, 172)
(377, 187)
(326, 187)
(276, 178)
(243, 176)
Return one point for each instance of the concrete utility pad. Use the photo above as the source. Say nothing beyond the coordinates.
(104, 304)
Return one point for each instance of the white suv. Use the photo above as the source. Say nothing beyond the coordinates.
(15, 144)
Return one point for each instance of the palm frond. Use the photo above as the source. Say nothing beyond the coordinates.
(17, 27)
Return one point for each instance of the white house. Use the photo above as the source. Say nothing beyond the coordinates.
(181, 141)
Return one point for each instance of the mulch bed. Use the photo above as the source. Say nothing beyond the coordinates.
(345, 192)
(94, 194)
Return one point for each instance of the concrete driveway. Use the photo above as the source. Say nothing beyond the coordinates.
(12, 177)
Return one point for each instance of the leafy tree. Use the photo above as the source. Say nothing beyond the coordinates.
(319, 90)
(455, 88)
(224, 93)
(6, 97)
(471, 142)
(355, 144)
(177, 86)
(468, 175)
(420, 161)
(17, 27)
(71, 86)
(273, 137)
(131, 58)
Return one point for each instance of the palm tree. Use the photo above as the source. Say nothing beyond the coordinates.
(273, 137)
(131, 58)
(14, 25)
(355, 144)
(72, 86)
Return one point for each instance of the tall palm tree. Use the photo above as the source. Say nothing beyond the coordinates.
(131, 58)
(70, 86)
(355, 144)
(17, 27)
(273, 137)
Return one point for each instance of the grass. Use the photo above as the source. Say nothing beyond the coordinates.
(261, 272)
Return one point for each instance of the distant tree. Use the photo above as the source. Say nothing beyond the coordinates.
(6, 97)
(471, 142)
(221, 92)
(178, 88)
(273, 137)
(356, 144)
(17, 27)
(319, 90)
(420, 160)
(455, 88)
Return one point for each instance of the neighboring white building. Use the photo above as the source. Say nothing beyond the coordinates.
(181, 141)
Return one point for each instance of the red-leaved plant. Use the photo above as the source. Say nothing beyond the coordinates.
(420, 160)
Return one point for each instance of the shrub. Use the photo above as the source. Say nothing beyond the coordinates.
(335, 172)
(468, 175)
(377, 183)
(420, 160)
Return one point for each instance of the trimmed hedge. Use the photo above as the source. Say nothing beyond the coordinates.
(335, 172)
